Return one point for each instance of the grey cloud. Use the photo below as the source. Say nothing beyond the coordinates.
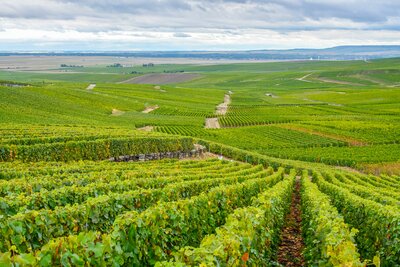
(230, 19)
(354, 10)
(223, 14)
(362, 11)
(40, 9)
(181, 35)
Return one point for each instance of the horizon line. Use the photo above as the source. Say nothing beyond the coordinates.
(192, 50)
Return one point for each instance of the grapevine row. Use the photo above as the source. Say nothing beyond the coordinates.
(249, 237)
(149, 236)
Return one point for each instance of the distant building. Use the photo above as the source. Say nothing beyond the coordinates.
(148, 65)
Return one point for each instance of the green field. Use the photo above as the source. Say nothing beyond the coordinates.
(327, 132)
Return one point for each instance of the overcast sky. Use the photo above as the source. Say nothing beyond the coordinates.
(195, 25)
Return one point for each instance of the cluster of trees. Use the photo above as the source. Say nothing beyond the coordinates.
(173, 71)
(70, 66)
(148, 65)
(115, 65)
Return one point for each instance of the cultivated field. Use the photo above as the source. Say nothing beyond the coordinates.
(299, 165)
(162, 78)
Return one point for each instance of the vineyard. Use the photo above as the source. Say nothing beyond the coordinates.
(174, 212)
(301, 171)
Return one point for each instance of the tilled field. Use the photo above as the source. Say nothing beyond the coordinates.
(163, 78)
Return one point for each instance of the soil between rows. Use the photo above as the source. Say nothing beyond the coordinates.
(292, 245)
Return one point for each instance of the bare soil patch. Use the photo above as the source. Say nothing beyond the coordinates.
(150, 109)
(116, 112)
(212, 123)
(292, 245)
(91, 86)
(146, 128)
(163, 78)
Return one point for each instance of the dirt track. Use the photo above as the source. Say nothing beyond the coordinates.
(162, 78)
(326, 80)
(150, 109)
(212, 123)
(303, 79)
(223, 107)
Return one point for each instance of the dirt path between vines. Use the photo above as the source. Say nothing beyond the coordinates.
(223, 107)
(212, 123)
(291, 247)
(150, 109)
(303, 79)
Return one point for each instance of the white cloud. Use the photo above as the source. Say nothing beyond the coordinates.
(229, 24)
